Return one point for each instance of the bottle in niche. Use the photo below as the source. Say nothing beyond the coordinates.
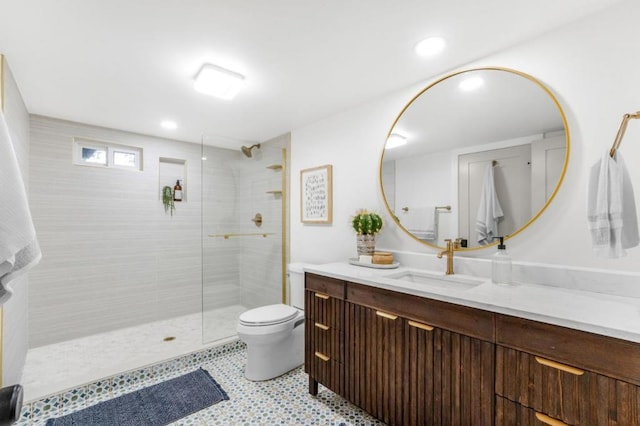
(177, 191)
(501, 265)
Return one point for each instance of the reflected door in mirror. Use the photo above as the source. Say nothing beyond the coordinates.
(512, 179)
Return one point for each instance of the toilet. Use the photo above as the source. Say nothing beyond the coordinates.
(274, 334)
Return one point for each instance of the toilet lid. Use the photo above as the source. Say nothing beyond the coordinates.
(268, 315)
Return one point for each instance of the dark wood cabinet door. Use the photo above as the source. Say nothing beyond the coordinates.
(373, 362)
(408, 373)
(450, 377)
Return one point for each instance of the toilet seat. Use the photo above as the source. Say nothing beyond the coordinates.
(268, 315)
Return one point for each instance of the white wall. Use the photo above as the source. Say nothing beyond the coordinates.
(15, 313)
(591, 67)
(426, 181)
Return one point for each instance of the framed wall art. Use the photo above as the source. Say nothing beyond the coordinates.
(316, 195)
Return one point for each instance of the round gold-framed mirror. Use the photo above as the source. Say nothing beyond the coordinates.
(475, 155)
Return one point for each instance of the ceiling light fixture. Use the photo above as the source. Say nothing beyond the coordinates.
(430, 46)
(395, 140)
(219, 82)
(471, 83)
(168, 124)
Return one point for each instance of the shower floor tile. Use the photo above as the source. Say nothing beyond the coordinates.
(54, 368)
(281, 401)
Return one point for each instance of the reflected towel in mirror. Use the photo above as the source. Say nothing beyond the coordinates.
(490, 211)
(421, 222)
(611, 208)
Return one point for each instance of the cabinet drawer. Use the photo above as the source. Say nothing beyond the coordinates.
(460, 319)
(509, 413)
(325, 339)
(326, 370)
(324, 309)
(563, 392)
(325, 285)
(604, 355)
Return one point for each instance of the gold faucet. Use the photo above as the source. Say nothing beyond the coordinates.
(451, 247)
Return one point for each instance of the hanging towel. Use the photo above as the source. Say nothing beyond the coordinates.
(489, 212)
(611, 208)
(19, 249)
(421, 222)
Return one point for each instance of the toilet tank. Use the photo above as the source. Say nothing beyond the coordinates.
(296, 283)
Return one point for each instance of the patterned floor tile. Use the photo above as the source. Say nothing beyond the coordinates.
(282, 401)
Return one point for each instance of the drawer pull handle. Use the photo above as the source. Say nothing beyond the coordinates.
(386, 315)
(321, 296)
(549, 420)
(322, 326)
(558, 366)
(420, 325)
(322, 356)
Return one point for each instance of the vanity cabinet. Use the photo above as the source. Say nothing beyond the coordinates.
(547, 374)
(410, 360)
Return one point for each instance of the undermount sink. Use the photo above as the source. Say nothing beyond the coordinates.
(436, 280)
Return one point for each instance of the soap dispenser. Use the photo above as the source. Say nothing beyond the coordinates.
(501, 265)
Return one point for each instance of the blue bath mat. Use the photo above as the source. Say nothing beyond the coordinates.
(155, 405)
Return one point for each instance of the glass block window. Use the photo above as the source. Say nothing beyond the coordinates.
(106, 154)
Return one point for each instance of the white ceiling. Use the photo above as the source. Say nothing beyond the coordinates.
(130, 64)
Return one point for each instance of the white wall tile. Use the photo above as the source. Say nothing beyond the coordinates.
(114, 258)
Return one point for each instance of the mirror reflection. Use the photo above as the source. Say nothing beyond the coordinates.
(476, 155)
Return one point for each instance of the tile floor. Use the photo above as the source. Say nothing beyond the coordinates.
(53, 368)
(282, 401)
(69, 376)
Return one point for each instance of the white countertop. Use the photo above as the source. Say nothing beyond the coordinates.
(608, 315)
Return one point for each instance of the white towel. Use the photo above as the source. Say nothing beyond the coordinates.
(611, 208)
(489, 212)
(19, 249)
(421, 222)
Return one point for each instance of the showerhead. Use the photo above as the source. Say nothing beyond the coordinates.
(246, 150)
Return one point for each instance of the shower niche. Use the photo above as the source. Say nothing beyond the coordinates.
(170, 171)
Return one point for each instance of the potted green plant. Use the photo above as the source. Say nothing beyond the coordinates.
(366, 225)
(167, 200)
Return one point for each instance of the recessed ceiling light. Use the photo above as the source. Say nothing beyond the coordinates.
(168, 124)
(471, 83)
(430, 46)
(395, 140)
(219, 82)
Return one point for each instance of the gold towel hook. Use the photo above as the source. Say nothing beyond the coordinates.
(621, 130)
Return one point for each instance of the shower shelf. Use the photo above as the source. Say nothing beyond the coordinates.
(275, 167)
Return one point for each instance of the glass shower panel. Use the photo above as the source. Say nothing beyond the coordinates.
(242, 256)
